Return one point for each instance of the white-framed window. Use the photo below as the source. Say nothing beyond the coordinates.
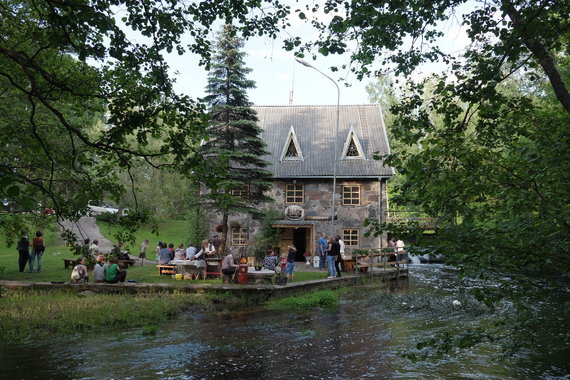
(240, 192)
(350, 195)
(291, 150)
(352, 148)
(294, 194)
(351, 237)
(239, 236)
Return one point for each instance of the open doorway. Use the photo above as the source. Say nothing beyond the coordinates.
(300, 242)
(299, 236)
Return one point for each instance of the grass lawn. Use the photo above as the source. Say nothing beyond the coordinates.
(53, 268)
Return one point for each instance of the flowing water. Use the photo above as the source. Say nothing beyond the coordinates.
(363, 338)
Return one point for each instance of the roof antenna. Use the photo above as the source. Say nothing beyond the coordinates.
(292, 85)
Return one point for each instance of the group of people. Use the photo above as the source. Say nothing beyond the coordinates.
(331, 251)
(110, 272)
(165, 253)
(37, 246)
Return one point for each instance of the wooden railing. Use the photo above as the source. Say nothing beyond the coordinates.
(426, 223)
(378, 258)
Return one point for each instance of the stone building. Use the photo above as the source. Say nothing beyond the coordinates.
(301, 141)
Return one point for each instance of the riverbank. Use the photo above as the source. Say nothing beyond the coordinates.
(32, 309)
(259, 293)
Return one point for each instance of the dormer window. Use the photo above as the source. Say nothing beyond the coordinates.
(352, 147)
(291, 149)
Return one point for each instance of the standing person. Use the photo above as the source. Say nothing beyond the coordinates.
(24, 252)
(158, 248)
(142, 254)
(164, 255)
(291, 262)
(332, 254)
(323, 244)
(340, 258)
(190, 251)
(114, 274)
(206, 249)
(216, 242)
(400, 252)
(38, 249)
(79, 273)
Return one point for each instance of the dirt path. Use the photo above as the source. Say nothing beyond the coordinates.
(87, 228)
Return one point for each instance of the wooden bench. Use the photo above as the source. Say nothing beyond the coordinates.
(70, 263)
(166, 269)
(348, 265)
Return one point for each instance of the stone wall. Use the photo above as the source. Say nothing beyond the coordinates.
(317, 207)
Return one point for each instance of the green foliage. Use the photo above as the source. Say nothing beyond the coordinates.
(233, 172)
(485, 146)
(322, 298)
(23, 314)
(268, 236)
(81, 105)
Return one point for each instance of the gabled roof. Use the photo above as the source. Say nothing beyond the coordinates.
(314, 132)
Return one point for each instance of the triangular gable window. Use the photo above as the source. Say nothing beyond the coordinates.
(291, 149)
(352, 147)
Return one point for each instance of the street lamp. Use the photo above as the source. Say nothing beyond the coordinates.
(307, 64)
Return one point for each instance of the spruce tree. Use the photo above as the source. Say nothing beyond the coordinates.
(234, 177)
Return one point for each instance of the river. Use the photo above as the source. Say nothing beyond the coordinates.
(363, 338)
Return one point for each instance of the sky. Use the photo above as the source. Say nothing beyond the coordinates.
(276, 72)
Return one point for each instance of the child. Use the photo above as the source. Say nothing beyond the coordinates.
(79, 273)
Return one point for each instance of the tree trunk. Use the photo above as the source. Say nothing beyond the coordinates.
(541, 54)
(224, 233)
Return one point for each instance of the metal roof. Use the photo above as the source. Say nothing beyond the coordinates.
(314, 128)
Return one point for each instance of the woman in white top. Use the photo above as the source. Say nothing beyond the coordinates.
(206, 249)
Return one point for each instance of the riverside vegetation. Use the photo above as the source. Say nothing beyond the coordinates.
(23, 313)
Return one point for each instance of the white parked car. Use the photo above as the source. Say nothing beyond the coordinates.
(101, 208)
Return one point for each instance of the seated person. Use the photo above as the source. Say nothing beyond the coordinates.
(114, 274)
(79, 273)
(164, 255)
(119, 253)
(100, 268)
(180, 253)
(270, 261)
(228, 266)
(365, 261)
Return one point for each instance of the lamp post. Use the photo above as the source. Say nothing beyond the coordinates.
(307, 64)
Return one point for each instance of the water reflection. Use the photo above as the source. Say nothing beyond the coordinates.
(361, 339)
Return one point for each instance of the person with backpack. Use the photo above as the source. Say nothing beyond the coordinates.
(24, 252)
(79, 273)
(38, 249)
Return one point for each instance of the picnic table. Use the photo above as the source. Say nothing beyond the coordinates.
(190, 267)
(259, 277)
